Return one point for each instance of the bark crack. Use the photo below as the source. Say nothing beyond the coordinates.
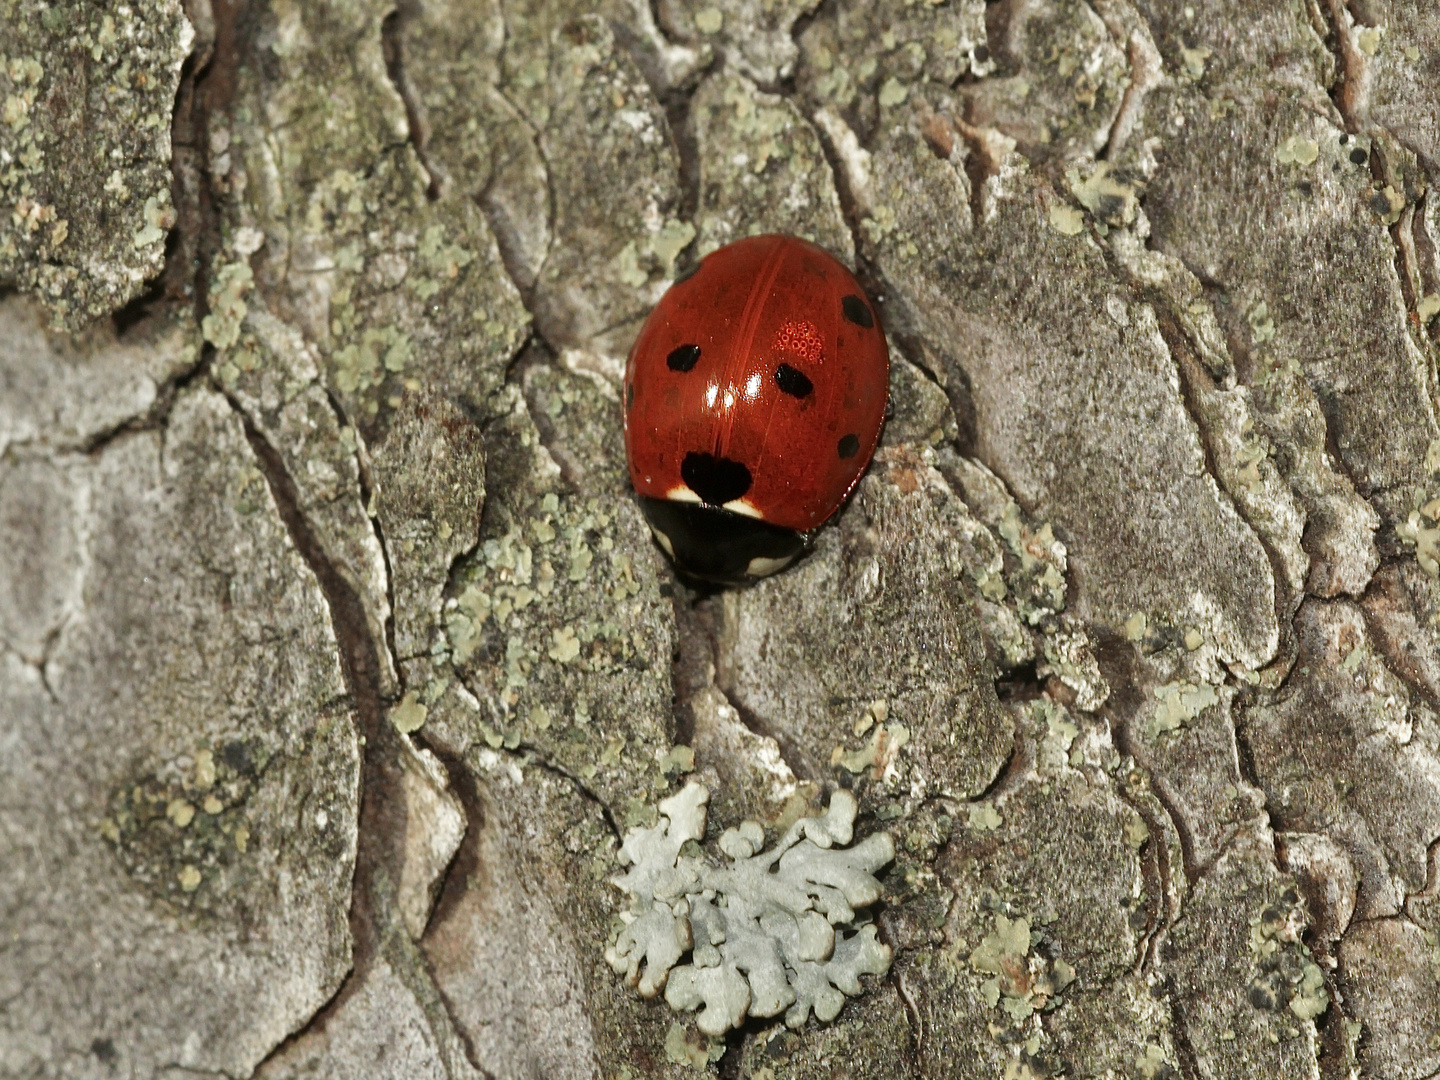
(1190, 373)
(1351, 97)
(392, 44)
(376, 927)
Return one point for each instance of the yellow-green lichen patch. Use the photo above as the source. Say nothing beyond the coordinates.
(1106, 192)
(709, 20)
(555, 627)
(231, 284)
(678, 760)
(1286, 975)
(1297, 150)
(893, 92)
(1177, 703)
(1039, 583)
(609, 187)
(861, 47)
(176, 830)
(762, 169)
(654, 254)
(1021, 983)
(1066, 219)
(879, 753)
(1153, 1063)
(85, 150)
(1420, 531)
(408, 714)
(1192, 61)
(686, 1046)
(412, 293)
(1262, 326)
(985, 816)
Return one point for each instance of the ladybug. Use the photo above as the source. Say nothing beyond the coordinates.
(754, 398)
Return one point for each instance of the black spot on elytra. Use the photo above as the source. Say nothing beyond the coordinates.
(683, 357)
(716, 480)
(793, 382)
(629, 395)
(1358, 156)
(848, 446)
(857, 311)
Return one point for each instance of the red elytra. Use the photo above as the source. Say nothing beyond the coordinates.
(754, 398)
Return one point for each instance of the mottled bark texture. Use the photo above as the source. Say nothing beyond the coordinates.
(336, 659)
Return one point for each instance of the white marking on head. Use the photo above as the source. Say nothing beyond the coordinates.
(760, 567)
(681, 493)
(743, 506)
(663, 541)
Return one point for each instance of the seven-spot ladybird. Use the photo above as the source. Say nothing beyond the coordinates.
(753, 401)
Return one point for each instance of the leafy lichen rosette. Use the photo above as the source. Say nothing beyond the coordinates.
(767, 931)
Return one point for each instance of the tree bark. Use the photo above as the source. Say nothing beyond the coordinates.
(337, 662)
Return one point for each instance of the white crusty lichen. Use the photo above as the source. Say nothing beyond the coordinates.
(767, 931)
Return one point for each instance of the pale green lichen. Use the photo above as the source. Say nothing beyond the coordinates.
(1179, 702)
(1262, 326)
(653, 254)
(1039, 587)
(678, 759)
(1066, 219)
(709, 20)
(1021, 982)
(893, 92)
(178, 833)
(768, 931)
(1193, 61)
(984, 816)
(1421, 531)
(1100, 190)
(566, 645)
(1286, 975)
(85, 150)
(1297, 150)
(682, 1049)
(408, 714)
(1368, 38)
(1154, 1063)
(232, 283)
(879, 754)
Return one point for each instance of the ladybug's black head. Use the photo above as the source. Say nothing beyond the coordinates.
(717, 480)
(714, 544)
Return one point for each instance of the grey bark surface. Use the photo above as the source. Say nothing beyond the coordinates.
(336, 659)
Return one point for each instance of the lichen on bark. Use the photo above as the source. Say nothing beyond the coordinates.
(338, 663)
